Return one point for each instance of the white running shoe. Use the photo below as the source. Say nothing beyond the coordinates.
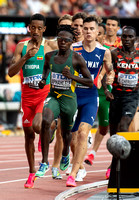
(80, 175)
(69, 169)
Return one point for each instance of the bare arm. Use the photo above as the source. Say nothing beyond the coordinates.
(18, 61)
(79, 64)
(109, 67)
(46, 70)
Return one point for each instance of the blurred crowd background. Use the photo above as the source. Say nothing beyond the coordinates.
(56, 8)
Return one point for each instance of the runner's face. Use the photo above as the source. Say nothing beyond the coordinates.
(101, 34)
(128, 38)
(37, 29)
(111, 27)
(64, 40)
(90, 31)
(78, 24)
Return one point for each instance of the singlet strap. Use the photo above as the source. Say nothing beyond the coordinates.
(42, 43)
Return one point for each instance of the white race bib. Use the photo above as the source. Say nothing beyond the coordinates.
(59, 81)
(128, 80)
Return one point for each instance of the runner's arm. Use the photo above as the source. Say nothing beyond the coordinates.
(107, 62)
(79, 64)
(18, 61)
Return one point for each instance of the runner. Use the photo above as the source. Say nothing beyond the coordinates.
(125, 85)
(64, 65)
(103, 110)
(94, 54)
(111, 41)
(29, 56)
(64, 20)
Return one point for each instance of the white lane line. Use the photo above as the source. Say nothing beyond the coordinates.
(6, 161)
(18, 180)
(20, 168)
(12, 150)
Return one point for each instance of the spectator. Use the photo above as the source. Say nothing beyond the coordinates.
(119, 5)
(130, 7)
(61, 7)
(89, 7)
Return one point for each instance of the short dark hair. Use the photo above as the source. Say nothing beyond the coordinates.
(104, 27)
(114, 18)
(129, 27)
(38, 16)
(90, 19)
(80, 15)
(67, 28)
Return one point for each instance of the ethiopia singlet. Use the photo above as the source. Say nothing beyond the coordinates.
(126, 71)
(33, 68)
(60, 84)
(94, 62)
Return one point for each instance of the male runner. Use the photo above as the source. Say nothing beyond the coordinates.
(77, 23)
(126, 81)
(103, 110)
(94, 54)
(64, 65)
(112, 26)
(110, 41)
(29, 56)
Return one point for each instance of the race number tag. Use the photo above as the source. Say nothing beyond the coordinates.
(128, 80)
(58, 81)
(33, 81)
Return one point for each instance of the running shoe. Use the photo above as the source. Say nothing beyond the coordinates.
(42, 170)
(69, 169)
(54, 131)
(64, 163)
(30, 182)
(39, 144)
(108, 173)
(89, 159)
(70, 182)
(55, 173)
(80, 175)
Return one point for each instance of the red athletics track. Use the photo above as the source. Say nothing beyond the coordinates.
(14, 172)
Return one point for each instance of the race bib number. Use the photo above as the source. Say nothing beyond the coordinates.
(58, 81)
(128, 80)
(33, 81)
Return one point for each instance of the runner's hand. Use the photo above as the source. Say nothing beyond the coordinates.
(42, 83)
(66, 72)
(109, 95)
(31, 52)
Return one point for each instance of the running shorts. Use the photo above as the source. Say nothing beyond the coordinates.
(32, 102)
(123, 104)
(87, 111)
(62, 106)
(103, 111)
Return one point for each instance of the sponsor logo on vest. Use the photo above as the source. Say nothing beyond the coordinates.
(98, 56)
(26, 122)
